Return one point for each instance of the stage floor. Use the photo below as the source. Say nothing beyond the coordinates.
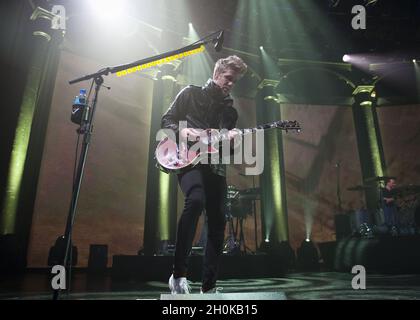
(297, 286)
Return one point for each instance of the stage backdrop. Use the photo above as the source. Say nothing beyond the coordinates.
(112, 200)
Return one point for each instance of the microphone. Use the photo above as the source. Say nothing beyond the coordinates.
(219, 41)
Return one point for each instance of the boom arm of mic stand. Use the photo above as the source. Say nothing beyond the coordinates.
(102, 72)
(157, 57)
(106, 71)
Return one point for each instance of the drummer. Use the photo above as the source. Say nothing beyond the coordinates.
(388, 203)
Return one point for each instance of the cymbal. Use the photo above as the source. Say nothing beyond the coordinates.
(250, 194)
(249, 197)
(372, 179)
(359, 188)
(250, 191)
(406, 190)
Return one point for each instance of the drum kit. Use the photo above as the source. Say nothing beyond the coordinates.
(240, 204)
(407, 199)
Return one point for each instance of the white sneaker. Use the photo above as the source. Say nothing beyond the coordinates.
(179, 285)
(213, 290)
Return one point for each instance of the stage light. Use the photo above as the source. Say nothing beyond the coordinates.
(346, 58)
(307, 256)
(414, 60)
(266, 247)
(261, 48)
(197, 69)
(106, 9)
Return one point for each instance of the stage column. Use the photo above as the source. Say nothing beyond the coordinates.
(31, 125)
(272, 180)
(369, 144)
(162, 188)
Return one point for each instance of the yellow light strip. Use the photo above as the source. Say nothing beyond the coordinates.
(160, 61)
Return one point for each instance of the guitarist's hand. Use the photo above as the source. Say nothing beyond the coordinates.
(233, 133)
(235, 138)
(191, 133)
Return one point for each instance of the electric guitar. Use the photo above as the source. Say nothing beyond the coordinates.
(175, 158)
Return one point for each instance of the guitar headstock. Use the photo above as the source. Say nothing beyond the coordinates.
(287, 125)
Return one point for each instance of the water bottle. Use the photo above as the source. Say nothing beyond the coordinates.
(79, 106)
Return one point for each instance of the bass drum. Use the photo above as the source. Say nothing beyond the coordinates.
(407, 218)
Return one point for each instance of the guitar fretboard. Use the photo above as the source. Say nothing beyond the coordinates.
(284, 125)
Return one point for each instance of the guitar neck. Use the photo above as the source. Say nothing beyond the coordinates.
(280, 125)
(283, 125)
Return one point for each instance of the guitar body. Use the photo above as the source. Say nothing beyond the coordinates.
(175, 158)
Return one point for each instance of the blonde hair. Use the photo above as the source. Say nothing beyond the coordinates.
(233, 63)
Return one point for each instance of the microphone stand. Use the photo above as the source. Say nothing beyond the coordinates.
(254, 208)
(338, 187)
(86, 129)
(254, 211)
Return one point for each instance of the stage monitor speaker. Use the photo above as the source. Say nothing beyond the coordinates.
(227, 296)
(11, 253)
(57, 252)
(98, 257)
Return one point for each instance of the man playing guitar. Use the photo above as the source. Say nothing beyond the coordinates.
(204, 185)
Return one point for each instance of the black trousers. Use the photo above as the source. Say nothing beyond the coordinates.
(202, 190)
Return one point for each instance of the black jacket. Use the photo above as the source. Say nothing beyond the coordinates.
(202, 107)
